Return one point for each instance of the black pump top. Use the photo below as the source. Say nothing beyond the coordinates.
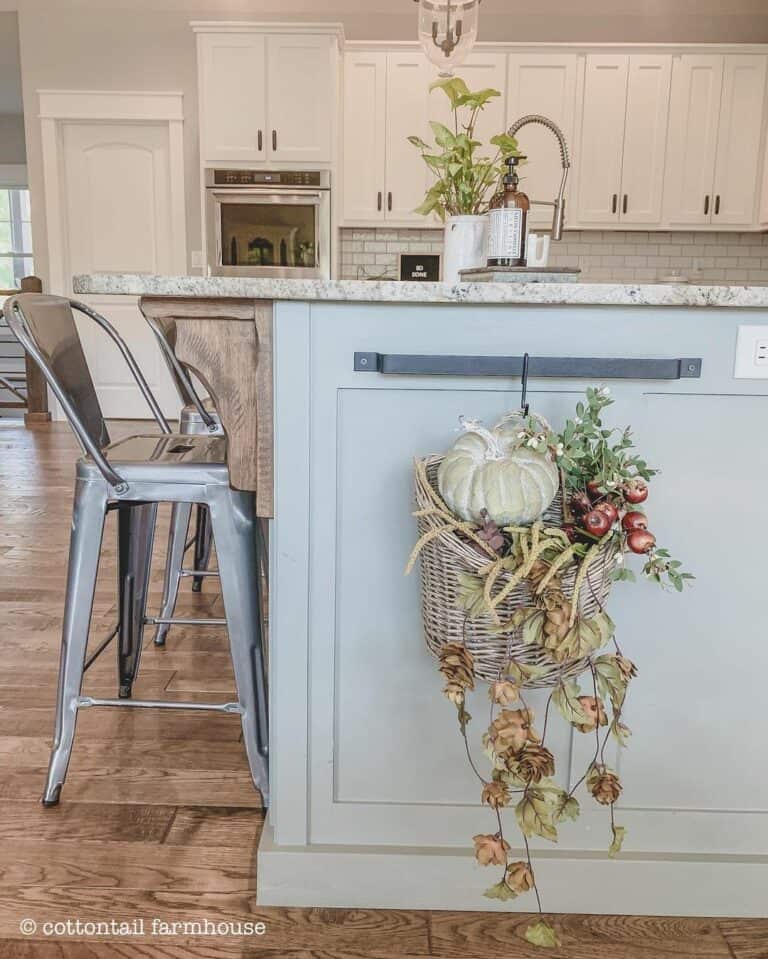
(511, 175)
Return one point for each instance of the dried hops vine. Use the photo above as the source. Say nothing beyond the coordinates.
(603, 481)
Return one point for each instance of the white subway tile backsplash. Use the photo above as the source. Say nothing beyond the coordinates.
(602, 255)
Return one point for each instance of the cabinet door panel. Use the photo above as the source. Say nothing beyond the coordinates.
(602, 137)
(480, 71)
(693, 118)
(546, 84)
(645, 139)
(365, 77)
(301, 98)
(232, 99)
(738, 140)
(407, 176)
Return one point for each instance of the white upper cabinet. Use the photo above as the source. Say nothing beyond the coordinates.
(737, 165)
(267, 97)
(233, 116)
(546, 84)
(697, 83)
(645, 139)
(365, 91)
(407, 176)
(716, 122)
(601, 138)
(481, 71)
(301, 97)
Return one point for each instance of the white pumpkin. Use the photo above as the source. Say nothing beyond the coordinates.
(495, 470)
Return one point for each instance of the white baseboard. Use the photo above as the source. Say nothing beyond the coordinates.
(406, 878)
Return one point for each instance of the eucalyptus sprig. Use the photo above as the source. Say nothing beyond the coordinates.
(465, 180)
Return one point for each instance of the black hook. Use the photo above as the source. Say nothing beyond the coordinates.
(524, 386)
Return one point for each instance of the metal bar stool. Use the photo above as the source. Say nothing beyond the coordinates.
(131, 477)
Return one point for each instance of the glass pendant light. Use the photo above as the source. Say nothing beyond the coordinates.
(447, 31)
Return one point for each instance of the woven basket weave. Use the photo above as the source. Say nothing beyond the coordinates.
(449, 553)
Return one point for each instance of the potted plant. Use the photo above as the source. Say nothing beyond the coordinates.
(466, 179)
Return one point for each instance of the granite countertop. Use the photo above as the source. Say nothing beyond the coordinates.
(383, 291)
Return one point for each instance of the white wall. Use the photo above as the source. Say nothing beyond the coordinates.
(148, 45)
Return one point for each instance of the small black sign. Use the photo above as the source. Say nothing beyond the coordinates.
(422, 267)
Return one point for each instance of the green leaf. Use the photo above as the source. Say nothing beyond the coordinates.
(533, 628)
(506, 144)
(470, 595)
(619, 832)
(542, 934)
(610, 680)
(535, 816)
(418, 142)
(566, 698)
(569, 809)
(523, 673)
(620, 732)
(443, 136)
(452, 87)
(500, 891)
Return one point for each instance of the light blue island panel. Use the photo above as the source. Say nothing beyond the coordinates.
(374, 803)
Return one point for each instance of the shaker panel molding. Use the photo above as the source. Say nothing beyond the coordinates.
(737, 166)
(543, 83)
(407, 113)
(364, 117)
(697, 82)
(645, 139)
(601, 138)
(233, 108)
(481, 71)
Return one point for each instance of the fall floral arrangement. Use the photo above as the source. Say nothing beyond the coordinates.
(534, 525)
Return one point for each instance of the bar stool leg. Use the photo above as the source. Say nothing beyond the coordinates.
(203, 543)
(234, 531)
(177, 541)
(136, 534)
(84, 548)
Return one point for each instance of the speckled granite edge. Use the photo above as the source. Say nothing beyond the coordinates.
(552, 294)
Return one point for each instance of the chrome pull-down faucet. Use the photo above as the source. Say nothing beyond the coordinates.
(558, 215)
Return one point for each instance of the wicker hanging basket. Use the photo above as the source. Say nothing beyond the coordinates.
(448, 549)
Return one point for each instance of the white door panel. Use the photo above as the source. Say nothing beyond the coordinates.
(363, 181)
(407, 176)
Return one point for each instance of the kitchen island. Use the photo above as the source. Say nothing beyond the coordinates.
(373, 804)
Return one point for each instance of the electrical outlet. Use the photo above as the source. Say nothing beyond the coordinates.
(751, 353)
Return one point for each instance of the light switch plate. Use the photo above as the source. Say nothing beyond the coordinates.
(751, 353)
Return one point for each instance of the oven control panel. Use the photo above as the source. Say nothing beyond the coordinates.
(315, 178)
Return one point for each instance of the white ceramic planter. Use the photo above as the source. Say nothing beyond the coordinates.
(464, 245)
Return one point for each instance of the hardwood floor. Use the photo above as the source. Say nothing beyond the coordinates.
(158, 818)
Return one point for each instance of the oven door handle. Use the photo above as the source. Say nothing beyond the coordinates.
(267, 195)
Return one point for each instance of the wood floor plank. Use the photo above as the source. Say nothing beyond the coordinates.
(748, 938)
(179, 949)
(84, 822)
(471, 935)
(212, 827)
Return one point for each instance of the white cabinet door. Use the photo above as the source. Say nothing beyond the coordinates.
(737, 167)
(233, 122)
(407, 176)
(542, 83)
(601, 138)
(301, 98)
(363, 179)
(764, 191)
(645, 139)
(480, 71)
(697, 82)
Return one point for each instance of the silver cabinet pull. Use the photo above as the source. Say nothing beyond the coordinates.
(614, 202)
(260, 141)
(378, 201)
(389, 200)
(706, 205)
(624, 203)
(274, 139)
(717, 204)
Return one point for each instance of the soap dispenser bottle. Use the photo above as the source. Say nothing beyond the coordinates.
(508, 215)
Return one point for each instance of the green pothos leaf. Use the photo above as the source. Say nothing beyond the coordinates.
(566, 698)
(500, 891)
(542, 934)
(619, 832)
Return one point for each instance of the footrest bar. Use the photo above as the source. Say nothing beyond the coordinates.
(198, 572)
(102, 646)
(160, 621)
(84, 702)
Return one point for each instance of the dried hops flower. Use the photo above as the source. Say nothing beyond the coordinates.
(503, 692)
(490, 850)
(457, 666)
(604, 785)
(532, 764)
(495, 794)
(594, 711)
(519, 877)
(557, 618)
(511, 730)
(626, 667)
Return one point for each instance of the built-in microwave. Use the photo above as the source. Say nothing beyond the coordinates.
(271, 223)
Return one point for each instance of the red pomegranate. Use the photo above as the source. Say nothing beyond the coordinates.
(641, 541)
(635, 491)
(607, 507)
(634, 520)
(596, 522)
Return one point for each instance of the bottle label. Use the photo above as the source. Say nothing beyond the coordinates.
(505, 233)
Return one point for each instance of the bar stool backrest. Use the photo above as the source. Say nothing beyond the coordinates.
(45, 327)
